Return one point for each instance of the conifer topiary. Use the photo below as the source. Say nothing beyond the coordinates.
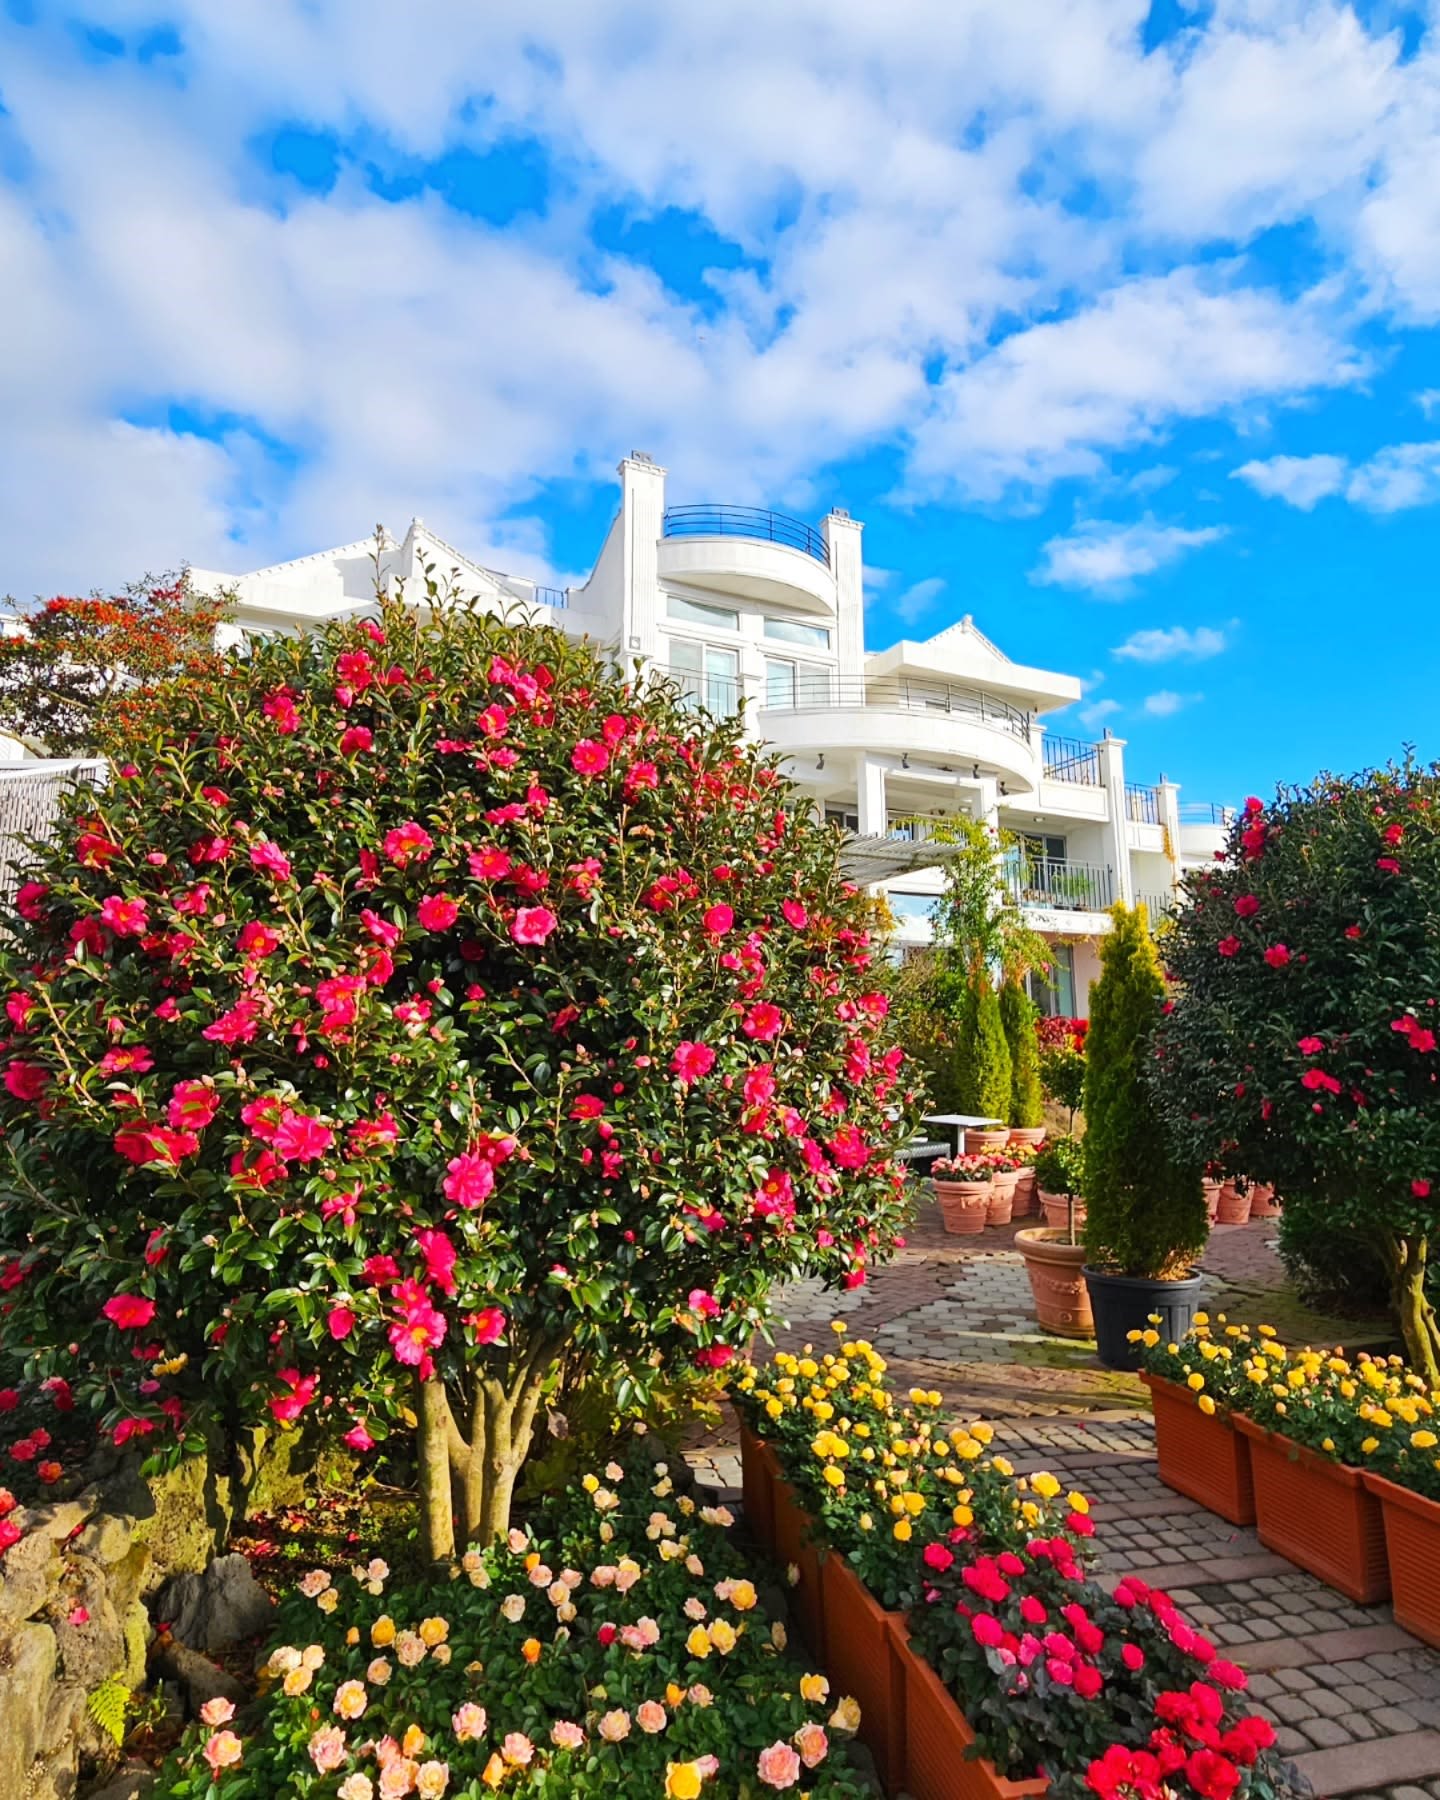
(985, 1070)
(1145, 1209)
(1027, 1099)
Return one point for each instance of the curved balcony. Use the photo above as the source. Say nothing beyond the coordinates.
(745, 550)
(891, 715)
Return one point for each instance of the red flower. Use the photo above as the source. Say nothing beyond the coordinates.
(939, 1558)
(691, 1062)
(1311, 1046)
(1420, 1188)
(271, 859)
(488, 1325)
(763, 1022)
(437, 912)
(1247, 906)
(129, 1312)
(340, 1322)
(589, 757)
(1388, 864)
(358, 738)
(1228, 946)
(987, 1630)
(407, 843)
(299, 1138)
(470, 1180)
(142, 1144)
(26, 1080)
(533, 924)
(28, 901)
(719, 919)
(795, 914)
(257, 939)
(1277, 955)
(126, 918)
(714, 1356)
(1353, 931)
(1317, 1081)
(286, 1408)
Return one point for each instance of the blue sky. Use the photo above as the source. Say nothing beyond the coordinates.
(1117, 323)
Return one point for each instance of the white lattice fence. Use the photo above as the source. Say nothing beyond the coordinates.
(30, 806)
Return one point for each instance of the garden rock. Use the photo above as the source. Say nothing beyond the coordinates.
(129, 1783)
(25, 1688)
(212, 1611)
(198, 1678)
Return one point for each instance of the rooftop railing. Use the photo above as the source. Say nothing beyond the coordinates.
(1205, 812)
(559, 598)
(824, 692)
(746, 522)
(1072, 760)
(1142, 804)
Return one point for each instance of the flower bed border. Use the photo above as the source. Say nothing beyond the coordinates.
(864, 1658)
(1205, 1458)
(1318, 1514)
(938, 1738)
(1412, 1548)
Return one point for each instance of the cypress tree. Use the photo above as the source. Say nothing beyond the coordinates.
(1145, 1208)
(985, 1066)
(1027, 1099)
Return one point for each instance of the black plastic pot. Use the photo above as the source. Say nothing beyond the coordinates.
(1123, 1303)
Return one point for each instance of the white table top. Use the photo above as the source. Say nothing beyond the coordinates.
(961, 1119)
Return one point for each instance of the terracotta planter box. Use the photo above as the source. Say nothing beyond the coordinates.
(1056, 1208)
(964, 1206)
(807, 1601)
(1232, 1207)
(1206, 1459)
(1055, 1268)
(863, 1660)
(937, 1738)
(1412, 1543)
(1318, 1513)
(758, 1475)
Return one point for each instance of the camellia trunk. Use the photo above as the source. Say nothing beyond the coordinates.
(478, 1464)
(1418, 1324)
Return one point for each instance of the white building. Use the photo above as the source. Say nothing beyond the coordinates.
(750, 608)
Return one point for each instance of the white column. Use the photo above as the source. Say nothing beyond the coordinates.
(842, 536)
(1115, 835)
(1170, 819)
(870, 796)
(642, 516)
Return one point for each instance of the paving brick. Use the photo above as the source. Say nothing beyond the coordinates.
(1327, 1733)
(1351, 1768)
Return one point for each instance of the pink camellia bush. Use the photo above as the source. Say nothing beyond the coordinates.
(421, 1004)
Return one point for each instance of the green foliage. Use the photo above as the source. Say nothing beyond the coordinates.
(984, 1072)
(1302, 1049)
(1062, 1077)
(1334, 1267)
(1017, 1013)
(923, 1022)
(1145, 1209)
(976, 922)
(107, 1708)
(1060, 1167)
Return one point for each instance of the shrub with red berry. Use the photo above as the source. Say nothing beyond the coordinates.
(1302, 1047)
(420, 1005)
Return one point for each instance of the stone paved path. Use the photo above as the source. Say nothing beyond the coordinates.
(1355, 1700)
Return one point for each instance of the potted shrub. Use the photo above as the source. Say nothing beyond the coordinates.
(1054, 1256)
(985, 1078)
(1027, 1098)
(1062, 1063)
(1026, 1199)
(1263, 1201)
(1145, 1215)
(1303, 1041)
(1195, 1386)
(1004, 1182)
(963, 1192)
(1232, 1203)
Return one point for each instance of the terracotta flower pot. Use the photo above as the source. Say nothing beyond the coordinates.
(938, 1735)
(864, 1662)
(1412, 1544)
(1318, 1513)
(1212, 1198)
(1231, 1206)
(985, 1141)
(963, 1206)
(758, 1475)
(1263, 1204)
(1203, 1457)
(792, 1546)
(1002, 1196)
(1062, 1300)
(1033, 1135)
(1026, 1199)
(1056, 1208)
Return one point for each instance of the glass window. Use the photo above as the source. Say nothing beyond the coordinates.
(1054, 992)
(837, 815)
(1044, 848)
(791, 631)
(791, 684)
(693, 612)
(779, 683)
(707, 676)
(911, 906)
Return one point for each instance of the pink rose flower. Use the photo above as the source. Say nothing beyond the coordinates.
(779, 1766)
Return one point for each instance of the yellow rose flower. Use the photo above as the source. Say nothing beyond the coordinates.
(1045, 1485)
(698, 1642)
(1206, 1405)
(682, 1781)
(815, 1689)
(382, 1632)
(963, 1516)
(901, 1531)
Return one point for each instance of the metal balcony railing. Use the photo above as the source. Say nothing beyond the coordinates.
(1142, 804)
(745, 522)
(30, 795)
(897, 693)
(1065, 886)
(559, 598)
(718, 695)
(1072, 760)
(1205, 812)
(1157, 906)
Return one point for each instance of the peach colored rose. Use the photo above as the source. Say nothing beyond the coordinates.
(779, 1766)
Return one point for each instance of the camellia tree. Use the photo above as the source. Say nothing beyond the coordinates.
(1303, 1045)
(421, 1003)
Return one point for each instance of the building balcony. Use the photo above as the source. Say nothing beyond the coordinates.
(1045, 883)
(743, 550)
(1204, 830)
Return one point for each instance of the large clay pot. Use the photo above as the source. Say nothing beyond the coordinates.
(1002, 1196)
(963, 1206)
(1126, 1303)
(1026, 1194)
(1318, 1513)
(1201, 1455)
(863, 1661)
(1263, 1204)
(982, 1140)
(1056, 1208)
(1232, 1206)
(1412, 1544)
(1055, 1267)
(1031, 1135)
(1212, 1198)
(938, 1737)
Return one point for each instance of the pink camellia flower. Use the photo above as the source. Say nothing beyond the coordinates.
(258, 940)
(359, 1439)
(407, 843)
(129, 1428)
(437, 912)
(270, 859)
(1277, 955)
(418, 1331)
(26, 1080)
(488, 1325)
(779, 1766)
(714, 1356)
(129, 1312)
(763, 1022)
(489, 865)
(704, 1303)
(218, 1711)
(223, 1751)
(287, 1407)
(719, 919)
(533, 924)
(299, 1138)
(1228, 946)
(589, 757)
(357, 739)
(340, 1322)
(128, 1059)
(691, 1062)
(29, 900)
(126, 918)
(469, 1180)
(795, 914)
(327, 1748)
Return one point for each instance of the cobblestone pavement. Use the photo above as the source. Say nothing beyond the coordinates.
(1354, 1699)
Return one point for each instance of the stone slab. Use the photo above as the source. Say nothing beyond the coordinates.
(1325, 1647)
(1376, 1763)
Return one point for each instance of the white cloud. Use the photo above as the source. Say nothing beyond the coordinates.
(1092, 717)
(1302, 481)
(1104, 556)
(1166, 703)
(1401, 476)
(1428, 399)
(1171, 644)
(918, 598)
